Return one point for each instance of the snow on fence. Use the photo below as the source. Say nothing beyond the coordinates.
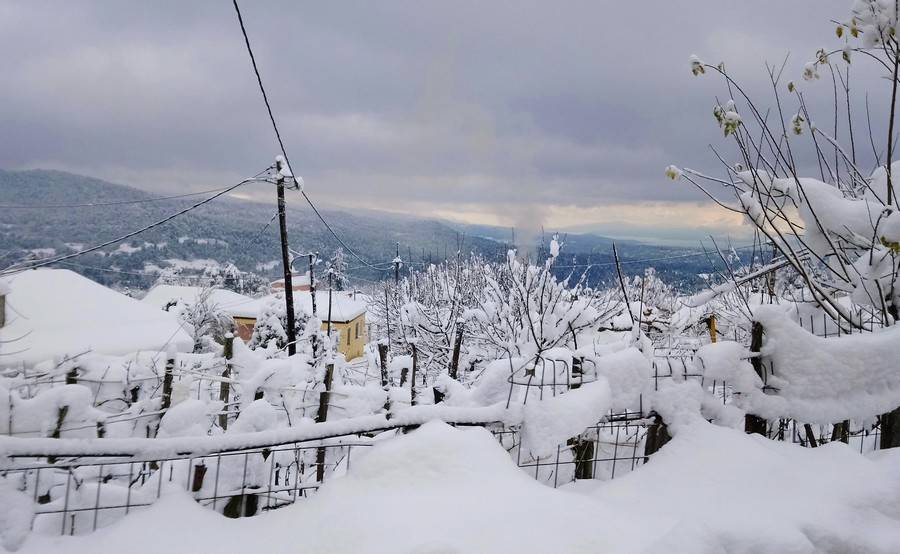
(74, 486)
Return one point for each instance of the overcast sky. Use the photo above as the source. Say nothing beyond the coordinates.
(513, 113)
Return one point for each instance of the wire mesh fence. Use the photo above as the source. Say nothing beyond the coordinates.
(76, 494)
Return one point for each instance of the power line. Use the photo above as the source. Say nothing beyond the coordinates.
(101, 204)
(50, 261)
(287, 160)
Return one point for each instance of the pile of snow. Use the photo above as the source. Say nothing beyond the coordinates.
(713, 489)
(550, 422)
(56, 312)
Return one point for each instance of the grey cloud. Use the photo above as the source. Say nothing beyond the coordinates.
(496, 104)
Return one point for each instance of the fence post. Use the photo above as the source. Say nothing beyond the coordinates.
(752, 423)
(167, 383)
(457, 343)
(321, 416)
(385, 381)
(60, 418)
(224, 386)
(890, 429)
(583, 448)
(657, 436)
(713, 332)
(199, 474)
(72, 376)
(412, 381)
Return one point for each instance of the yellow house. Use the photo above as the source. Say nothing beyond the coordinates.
(351, 335)
(348, 318)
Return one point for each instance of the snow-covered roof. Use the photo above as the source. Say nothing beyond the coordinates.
(344, 307)
(232, 303)
(297, 280)
(56, 312)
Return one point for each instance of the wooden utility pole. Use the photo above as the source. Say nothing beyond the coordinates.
(312, 281)
(312, 291)
(330, 275)
(397, 266)
(285, 260)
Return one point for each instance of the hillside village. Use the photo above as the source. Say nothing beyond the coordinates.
(47, 305)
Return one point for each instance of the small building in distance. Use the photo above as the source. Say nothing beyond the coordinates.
(348, 318)
(242, 309)
(57, 313)
(348, 313)
(299, 283)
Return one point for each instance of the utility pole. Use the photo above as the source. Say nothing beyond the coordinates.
(330, 275)
(397, 261)
(312, 292)
(281, 165)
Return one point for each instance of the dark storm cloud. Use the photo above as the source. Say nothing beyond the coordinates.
(489, 104)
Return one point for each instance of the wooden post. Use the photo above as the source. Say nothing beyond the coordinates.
(286, 262)
(167, 383)
(890, 429)
(412, 381)
(321, 417)
(199, 474)
(584, 458)
(657, 436)
(583, 448)
(385, 381)
(457, 343)
(224, 386)
(752, 423)
(713, 332)
(60, 418)
(72, 376)
(404, 373)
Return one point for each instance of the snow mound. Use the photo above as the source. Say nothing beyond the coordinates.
(739, 493)
(551, 421)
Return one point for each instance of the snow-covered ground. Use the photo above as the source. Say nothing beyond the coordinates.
(444, 490)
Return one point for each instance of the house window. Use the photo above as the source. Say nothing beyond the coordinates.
(357, 329)
(348, 337)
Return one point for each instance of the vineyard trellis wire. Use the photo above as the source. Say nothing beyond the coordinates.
(78, 494)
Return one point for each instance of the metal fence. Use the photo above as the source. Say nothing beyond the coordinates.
(77, 495)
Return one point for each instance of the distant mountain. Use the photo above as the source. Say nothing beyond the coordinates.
(35, 223)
